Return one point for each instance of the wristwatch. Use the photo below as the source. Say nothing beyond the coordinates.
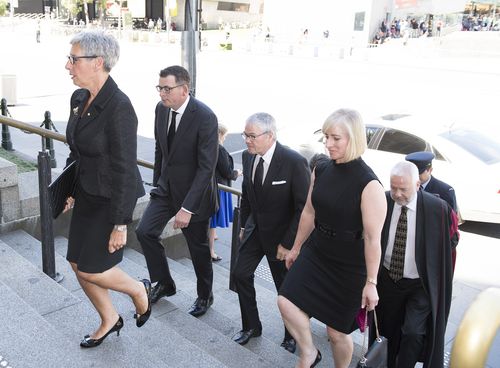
(120, 227)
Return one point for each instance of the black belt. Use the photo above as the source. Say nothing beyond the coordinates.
(345, 235)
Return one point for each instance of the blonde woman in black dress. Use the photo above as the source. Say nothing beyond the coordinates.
(102, 136)
(336, 272)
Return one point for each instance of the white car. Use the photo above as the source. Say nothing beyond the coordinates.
(466, 159)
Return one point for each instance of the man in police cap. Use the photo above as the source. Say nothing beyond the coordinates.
(429, 183)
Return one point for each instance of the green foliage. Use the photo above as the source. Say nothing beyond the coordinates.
(3, 8)
(23, 165)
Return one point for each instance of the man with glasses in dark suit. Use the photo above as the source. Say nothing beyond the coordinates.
(185, 187)
(274, 191)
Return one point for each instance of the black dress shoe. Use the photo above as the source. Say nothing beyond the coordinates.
(244, 336)
(87, 342)
(160, 290)
(289, 345)
(201, 306)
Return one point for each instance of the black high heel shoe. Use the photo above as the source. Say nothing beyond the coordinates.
(87, 342)
(317, 360)
(141, 319)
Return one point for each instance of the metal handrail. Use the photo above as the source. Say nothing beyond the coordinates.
(477, 331)
(32, 129)
(62, 138)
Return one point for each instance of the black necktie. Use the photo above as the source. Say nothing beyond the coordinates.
(398, 252)
(259, 175)
(171, 130)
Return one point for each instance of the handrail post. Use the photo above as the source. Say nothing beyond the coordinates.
(49, 143)
(47, 231)
(6, 142)
(235, 243)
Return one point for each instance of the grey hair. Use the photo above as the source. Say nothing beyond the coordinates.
(406, 168)
(265, 121)
(98, 43)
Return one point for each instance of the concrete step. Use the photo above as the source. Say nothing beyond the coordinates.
(224, 315)
(31, 249)
(197, 335)
(185, 353)
(152, 345)
(28, 340)
(270, 316)
(32, 285)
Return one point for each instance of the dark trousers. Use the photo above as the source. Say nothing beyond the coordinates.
(155, 218)
(403, 312)
(249, 257)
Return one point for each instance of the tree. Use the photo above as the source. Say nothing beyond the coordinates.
(3, 7)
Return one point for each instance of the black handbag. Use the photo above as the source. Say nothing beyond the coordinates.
(62, 188)
(376, 355)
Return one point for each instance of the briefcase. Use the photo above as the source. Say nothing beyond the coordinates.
(62, 188)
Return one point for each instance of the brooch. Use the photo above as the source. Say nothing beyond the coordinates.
(75, 111)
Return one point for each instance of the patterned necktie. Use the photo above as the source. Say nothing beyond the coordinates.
(398, 252)
(258, 177)
(171, 130)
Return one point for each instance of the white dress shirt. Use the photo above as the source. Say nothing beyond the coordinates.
(410, 267)
(179, 112)
(268, 156)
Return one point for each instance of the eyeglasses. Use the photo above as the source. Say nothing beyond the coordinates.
(167, 89)
(252, 137)
(73, 59)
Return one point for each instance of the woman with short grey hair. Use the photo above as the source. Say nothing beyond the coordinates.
(102, 136)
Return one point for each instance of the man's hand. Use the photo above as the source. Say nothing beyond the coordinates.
(182, 219)
(281, 253)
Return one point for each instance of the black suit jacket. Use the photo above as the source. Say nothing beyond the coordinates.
(104, 144)
(185, 174)
(434, 265)
(276, 213)
(443, 190)
(224, 171)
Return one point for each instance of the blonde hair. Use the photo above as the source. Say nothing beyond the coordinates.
(222, 129)
(353, 124)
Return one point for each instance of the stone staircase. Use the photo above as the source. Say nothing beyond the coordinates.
(42, 322)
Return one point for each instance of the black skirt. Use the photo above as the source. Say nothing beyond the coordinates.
(89, 234)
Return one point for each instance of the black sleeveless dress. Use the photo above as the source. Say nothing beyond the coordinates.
(327, 279)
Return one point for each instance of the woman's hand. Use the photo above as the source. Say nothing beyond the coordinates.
(117, 240)
(369, 299)
(291, 257)
(70, 202)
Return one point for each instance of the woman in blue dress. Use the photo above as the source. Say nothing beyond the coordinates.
(225, 173)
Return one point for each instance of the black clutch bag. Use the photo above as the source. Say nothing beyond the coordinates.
(62, 188)
(376, 355)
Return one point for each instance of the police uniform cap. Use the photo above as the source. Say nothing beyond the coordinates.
(422, 159)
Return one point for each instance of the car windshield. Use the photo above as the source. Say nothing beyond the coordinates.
(476, 144)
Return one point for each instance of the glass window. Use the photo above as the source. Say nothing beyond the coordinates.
(230, 6)
(359, 21)
(476, 144)
(370, 133)
(400, 142)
